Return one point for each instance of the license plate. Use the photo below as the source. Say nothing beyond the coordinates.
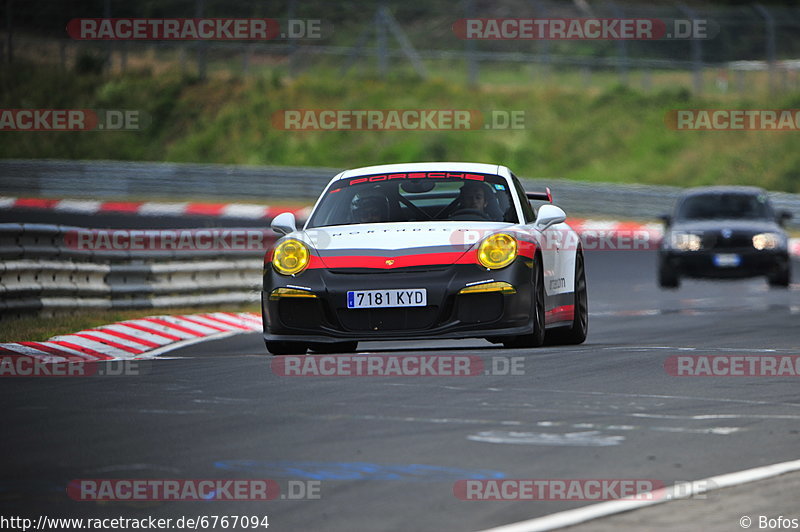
(727, 260)
(412, 297)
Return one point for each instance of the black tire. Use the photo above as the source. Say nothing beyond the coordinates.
(666, 277)
(781, 279)
(286, 348)
(536, 338)
(576, 333)
(336, 347)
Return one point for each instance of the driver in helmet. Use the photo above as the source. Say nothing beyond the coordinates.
(370, 207)
(474, 195)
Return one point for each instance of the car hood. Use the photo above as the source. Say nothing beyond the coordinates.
(736, 225)
(397, 245)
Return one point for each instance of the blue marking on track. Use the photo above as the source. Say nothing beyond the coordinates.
(356, 471)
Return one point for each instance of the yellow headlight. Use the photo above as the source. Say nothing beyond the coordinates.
(290, 257)
(497, 251)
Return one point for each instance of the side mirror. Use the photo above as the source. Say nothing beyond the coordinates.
(284, 223)
(666, 218)
(784, 216)
(549, 215)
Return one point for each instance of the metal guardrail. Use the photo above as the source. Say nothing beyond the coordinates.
(120, 179)
(116, 179)
(41, 272)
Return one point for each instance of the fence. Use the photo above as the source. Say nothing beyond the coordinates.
(41, 272)
(751, 46)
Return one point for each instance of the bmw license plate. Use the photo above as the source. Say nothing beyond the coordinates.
(413, 297)
(727, 260)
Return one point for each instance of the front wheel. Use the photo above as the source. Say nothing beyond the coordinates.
(666, 277)
(575, 333)
(781, 279)
(536, 338)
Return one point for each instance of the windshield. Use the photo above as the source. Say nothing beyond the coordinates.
(415, 197)
(725, 206)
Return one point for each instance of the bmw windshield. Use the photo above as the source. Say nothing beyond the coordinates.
(725, 206)
(415, 197)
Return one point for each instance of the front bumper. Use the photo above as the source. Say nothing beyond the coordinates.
(703, 264)
(447, 314)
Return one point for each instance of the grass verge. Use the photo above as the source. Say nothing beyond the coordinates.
(616, 134)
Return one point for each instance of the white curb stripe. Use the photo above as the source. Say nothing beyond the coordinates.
(232, 319)
(69, 350)
(242, 210)
(78, 206)
(130, 331)
(94, 346)
(211, 323)
(116, 339)
(205, 329)
(199, 329)
(161, 328)
(250, 319)
(33, 353)
(6, 202)
(158, 209)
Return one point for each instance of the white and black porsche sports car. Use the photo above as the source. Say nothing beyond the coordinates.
(424, 250)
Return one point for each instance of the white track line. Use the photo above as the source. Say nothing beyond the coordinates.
(604, 509)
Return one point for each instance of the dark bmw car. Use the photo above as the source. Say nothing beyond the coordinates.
(724, 233)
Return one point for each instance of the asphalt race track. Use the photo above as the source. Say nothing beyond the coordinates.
(386, 451)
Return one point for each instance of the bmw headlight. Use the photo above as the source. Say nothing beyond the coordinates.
(766, 241)
(290, 257)
(497, 251)
(686, 241)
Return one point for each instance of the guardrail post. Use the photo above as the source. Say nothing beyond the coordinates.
(770, 43)
(9, 32)
(202, 46)
(697, 53)
(622, 47)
